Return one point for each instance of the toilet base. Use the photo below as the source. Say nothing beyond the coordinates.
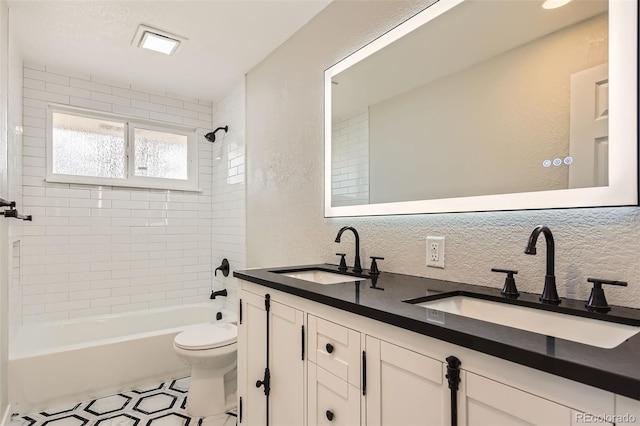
(206, 395)
(203, 398)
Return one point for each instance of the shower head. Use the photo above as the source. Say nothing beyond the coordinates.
(211, 136)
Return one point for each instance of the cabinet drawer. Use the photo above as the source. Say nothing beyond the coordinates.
(335, 348)
(332, 401)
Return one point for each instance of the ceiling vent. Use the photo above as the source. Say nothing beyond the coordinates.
(157, 40)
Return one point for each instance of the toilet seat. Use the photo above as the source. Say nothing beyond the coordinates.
(208, 336)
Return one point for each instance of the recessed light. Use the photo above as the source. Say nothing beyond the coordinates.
(157, 40)
(554, 4)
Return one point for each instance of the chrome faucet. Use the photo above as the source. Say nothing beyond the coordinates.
(357, 268)
(549, 293)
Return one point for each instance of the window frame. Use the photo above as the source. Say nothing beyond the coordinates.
(130, 124)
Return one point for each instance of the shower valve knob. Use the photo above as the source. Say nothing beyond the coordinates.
(224, 268)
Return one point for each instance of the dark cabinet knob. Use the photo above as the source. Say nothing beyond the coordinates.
(329, 347)
(329, 415)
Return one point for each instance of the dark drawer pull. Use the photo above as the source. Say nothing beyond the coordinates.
(329, 350)
(329, 415)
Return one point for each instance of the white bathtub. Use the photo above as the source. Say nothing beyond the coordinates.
(73, 360)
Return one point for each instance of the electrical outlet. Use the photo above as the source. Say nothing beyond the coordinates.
(435, 252)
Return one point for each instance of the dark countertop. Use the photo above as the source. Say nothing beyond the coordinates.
(616, 370)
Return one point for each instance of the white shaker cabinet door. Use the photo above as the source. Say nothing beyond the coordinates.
(491, 403)
(404, 388)
(286, 366)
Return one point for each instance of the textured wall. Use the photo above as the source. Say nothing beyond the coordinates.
(285, 222)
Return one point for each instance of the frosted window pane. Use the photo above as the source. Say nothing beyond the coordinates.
(160, 154)
(88, 147)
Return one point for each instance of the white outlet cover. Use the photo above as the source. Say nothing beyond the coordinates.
(438, 257)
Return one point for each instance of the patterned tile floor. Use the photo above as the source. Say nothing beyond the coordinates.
(159, 405)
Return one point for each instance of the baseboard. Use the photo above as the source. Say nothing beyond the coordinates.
(6, 418)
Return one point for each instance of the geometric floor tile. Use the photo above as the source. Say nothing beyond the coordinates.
(119, 420)
(157, 405)
(181, 385)
(59, 410)
(148, 389)
(170, 419)
(151, 404)
(68, 420)
(107, 405)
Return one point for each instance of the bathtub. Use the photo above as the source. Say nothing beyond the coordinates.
(73, 360)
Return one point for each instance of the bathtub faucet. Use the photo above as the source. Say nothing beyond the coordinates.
(215, 294)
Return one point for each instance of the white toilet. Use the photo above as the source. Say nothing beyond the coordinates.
(211, 351)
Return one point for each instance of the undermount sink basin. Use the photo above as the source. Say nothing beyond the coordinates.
(319, 276)
(603, 334)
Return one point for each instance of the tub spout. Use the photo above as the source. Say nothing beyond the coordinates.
(215, 294)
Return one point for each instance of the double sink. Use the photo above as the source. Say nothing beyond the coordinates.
(502, 311)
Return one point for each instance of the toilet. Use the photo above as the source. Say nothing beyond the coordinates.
(211, 351)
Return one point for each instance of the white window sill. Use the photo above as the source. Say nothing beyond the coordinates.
(81, 180)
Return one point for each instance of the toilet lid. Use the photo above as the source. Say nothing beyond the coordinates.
(207, 336)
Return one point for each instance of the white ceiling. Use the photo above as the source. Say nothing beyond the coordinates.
(226, 38)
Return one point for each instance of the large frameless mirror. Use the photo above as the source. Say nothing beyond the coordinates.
(484, 105)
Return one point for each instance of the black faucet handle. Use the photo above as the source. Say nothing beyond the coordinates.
(374, 265)
(509, 289)
(597, 301)
(343, 262)
(597, 282)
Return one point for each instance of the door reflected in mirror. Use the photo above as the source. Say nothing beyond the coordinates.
(483, 99)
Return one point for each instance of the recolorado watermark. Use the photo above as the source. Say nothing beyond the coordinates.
(605, 418)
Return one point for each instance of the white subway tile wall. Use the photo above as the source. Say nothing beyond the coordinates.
(15, 120)
(97, 249)
(15, 289)
(228, 207)
(350, 161)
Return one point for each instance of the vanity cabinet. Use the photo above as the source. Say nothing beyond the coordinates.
(286, 399)
(351, 370)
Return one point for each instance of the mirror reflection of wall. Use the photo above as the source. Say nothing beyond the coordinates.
(495, 126)
(350, 160)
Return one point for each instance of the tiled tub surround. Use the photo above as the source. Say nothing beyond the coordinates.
(94, 250)
(615, 370)
(228, 201)
(155, 405)
(73, 360)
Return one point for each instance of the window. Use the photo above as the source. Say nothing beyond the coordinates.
(104, 149)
